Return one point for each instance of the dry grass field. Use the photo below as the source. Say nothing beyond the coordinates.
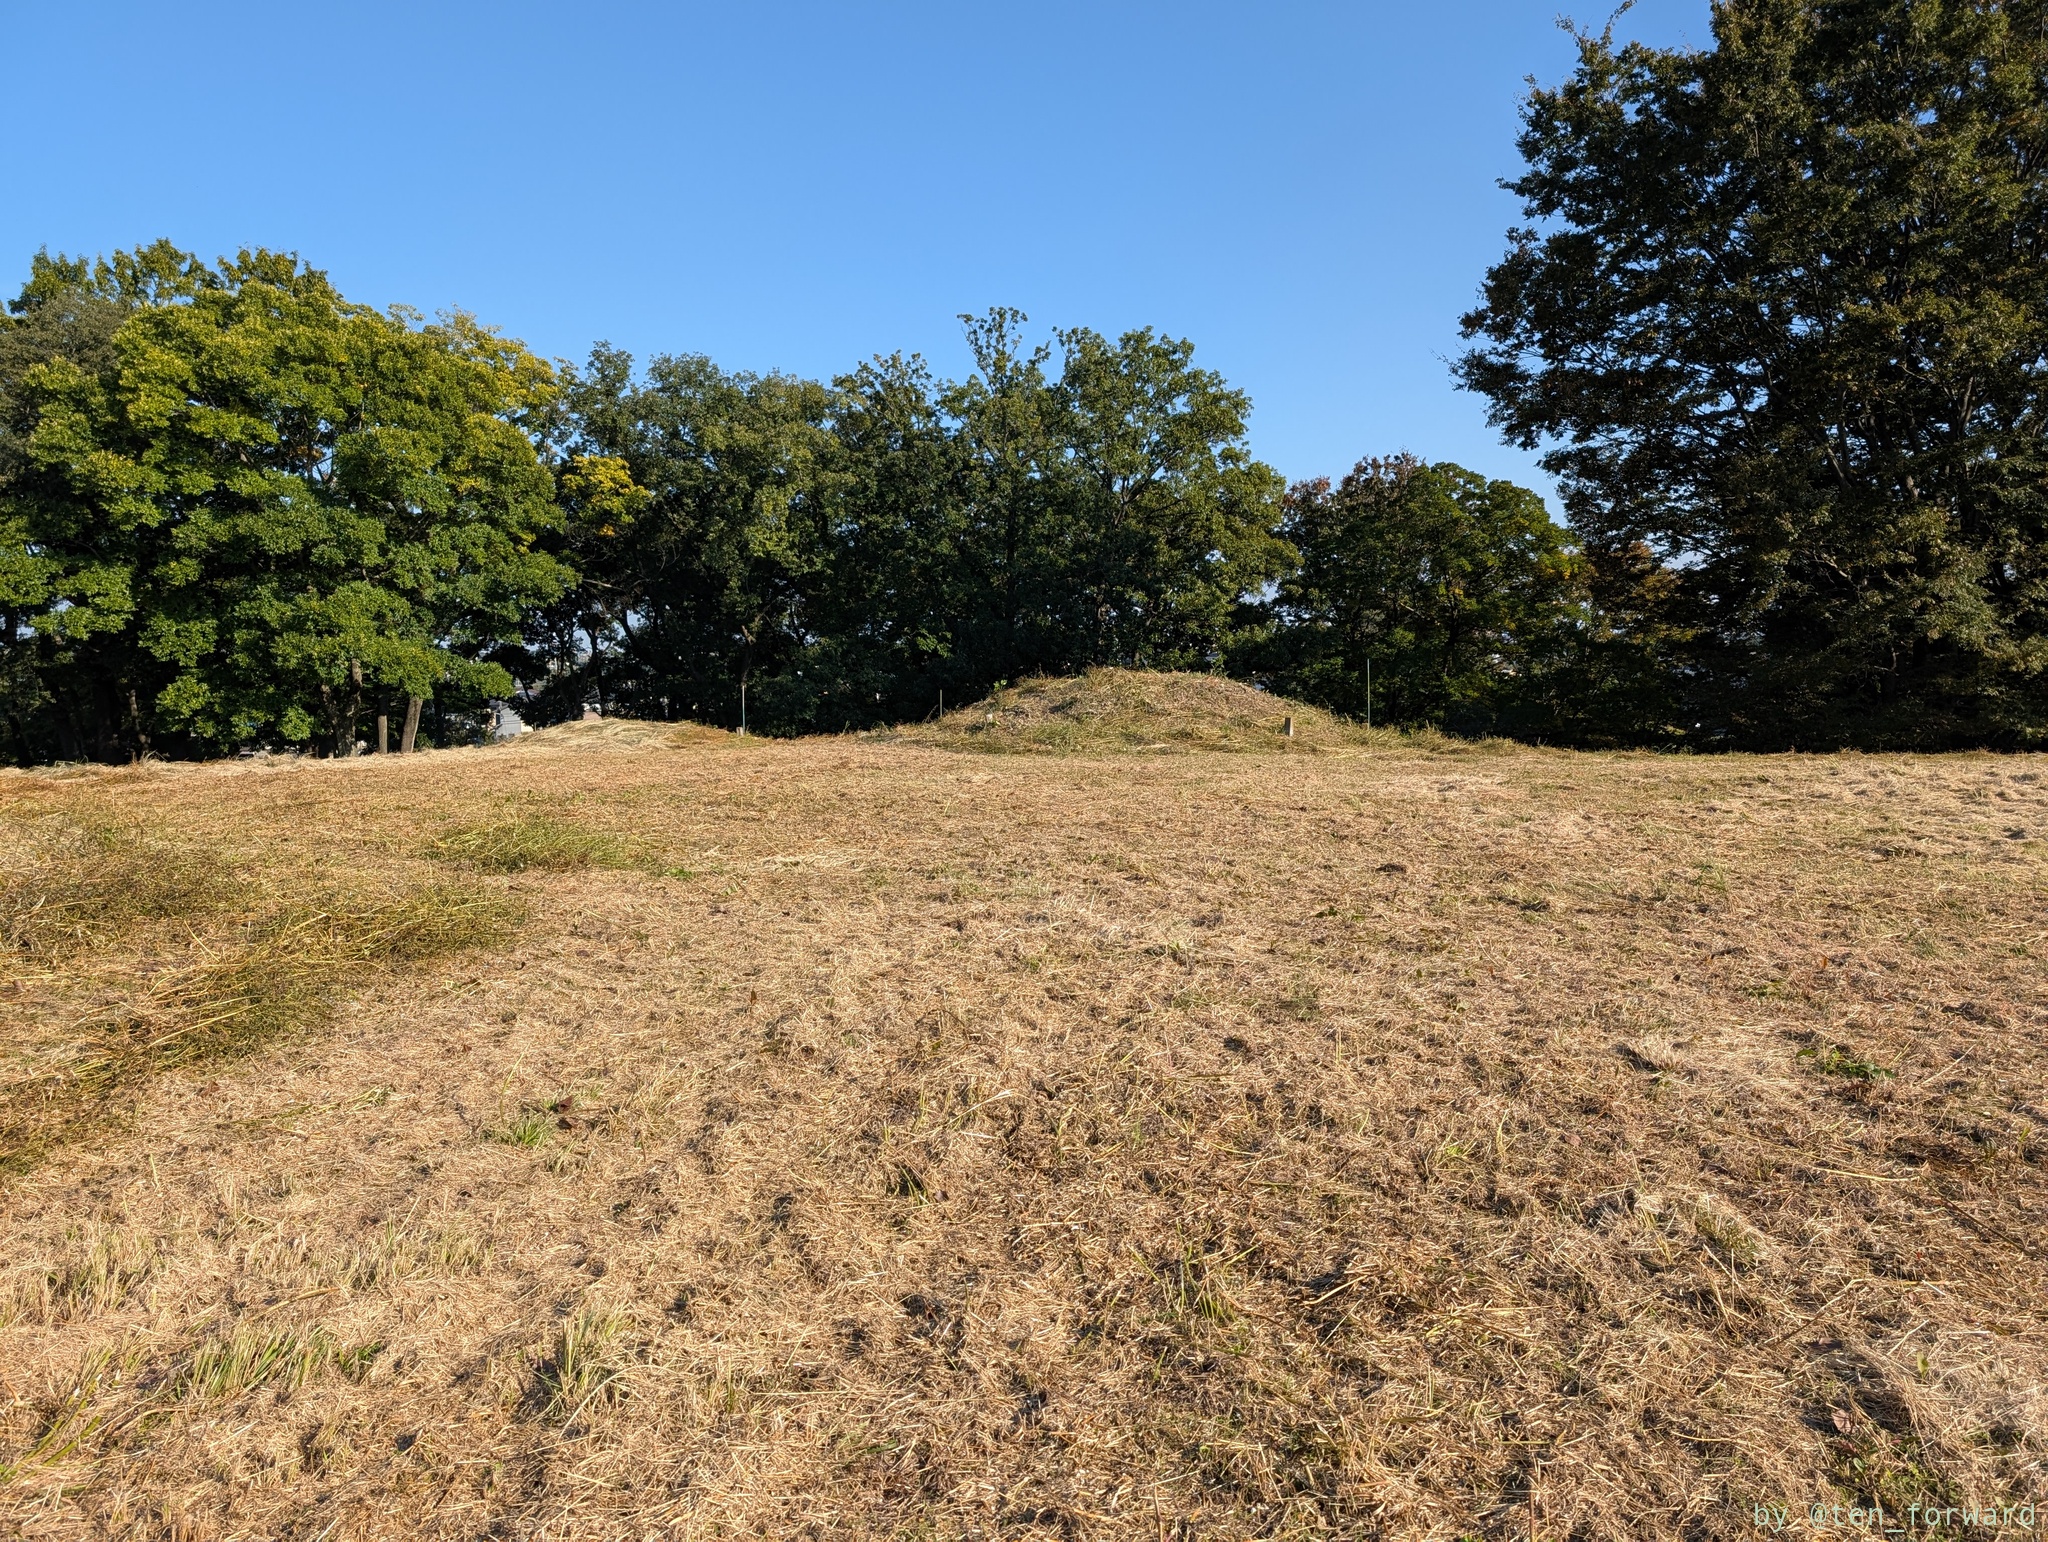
(629, 1132)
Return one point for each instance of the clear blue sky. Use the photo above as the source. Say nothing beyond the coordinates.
(1307, 190)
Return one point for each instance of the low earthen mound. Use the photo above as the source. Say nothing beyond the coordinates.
(1114, 711)
(616, 733)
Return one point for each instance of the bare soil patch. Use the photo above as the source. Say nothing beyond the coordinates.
(850, 1137)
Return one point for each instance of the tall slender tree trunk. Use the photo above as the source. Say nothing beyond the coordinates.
(135, 719)
(70, 742)
(412, 725)
(355, 703)
(383, 733)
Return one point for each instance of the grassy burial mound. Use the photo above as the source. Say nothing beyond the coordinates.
(1114, 711)
(629, 1134)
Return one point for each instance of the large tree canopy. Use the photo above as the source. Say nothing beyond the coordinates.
(1427, 594)
(699, 571)
(1782, 322)
(235, 508)
(1024, 521)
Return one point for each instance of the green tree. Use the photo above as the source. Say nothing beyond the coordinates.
(1023, 521)
(850, 552)
(701, 563)
(1171, 517)
(1465, 601)
(73, 678)
(254, 511)
(1782, 321)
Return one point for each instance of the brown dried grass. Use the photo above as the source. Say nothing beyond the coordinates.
(1386, 1142)
(283, 973)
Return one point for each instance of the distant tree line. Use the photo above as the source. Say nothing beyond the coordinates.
(1779, 326)
(240, 511)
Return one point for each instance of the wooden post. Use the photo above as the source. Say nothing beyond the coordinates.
(1287, 727)
(383, 733)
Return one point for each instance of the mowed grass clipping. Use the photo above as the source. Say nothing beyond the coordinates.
(285, 975)
(530, 843)
(92, 886)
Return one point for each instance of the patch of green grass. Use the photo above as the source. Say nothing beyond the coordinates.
(1726, 1235)
(1893, 1470)
(251, 1356)
(1194, 1288)
(74, 1420)
(1840, 1060)
(906, 1182)
(405, 1252)
(291, 972)
(93, 886)
(582, 1365)
(528, 1127)
(533, 843)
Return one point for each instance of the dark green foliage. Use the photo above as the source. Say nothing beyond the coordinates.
(1469, 604)
(1783, 324)
(847, 553)
(698, 520)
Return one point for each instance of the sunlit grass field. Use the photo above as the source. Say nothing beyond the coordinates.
(1170, 1127)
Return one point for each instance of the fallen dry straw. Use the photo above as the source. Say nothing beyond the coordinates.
(533, 842)
(1395, 1141)
(283, 977)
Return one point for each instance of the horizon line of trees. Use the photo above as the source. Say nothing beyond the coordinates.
(237, 510)
(1778, 324)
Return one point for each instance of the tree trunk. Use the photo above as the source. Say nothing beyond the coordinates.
(383, 733)
(355, 703)
(70, 742)
(412, 725)
(135, 718)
